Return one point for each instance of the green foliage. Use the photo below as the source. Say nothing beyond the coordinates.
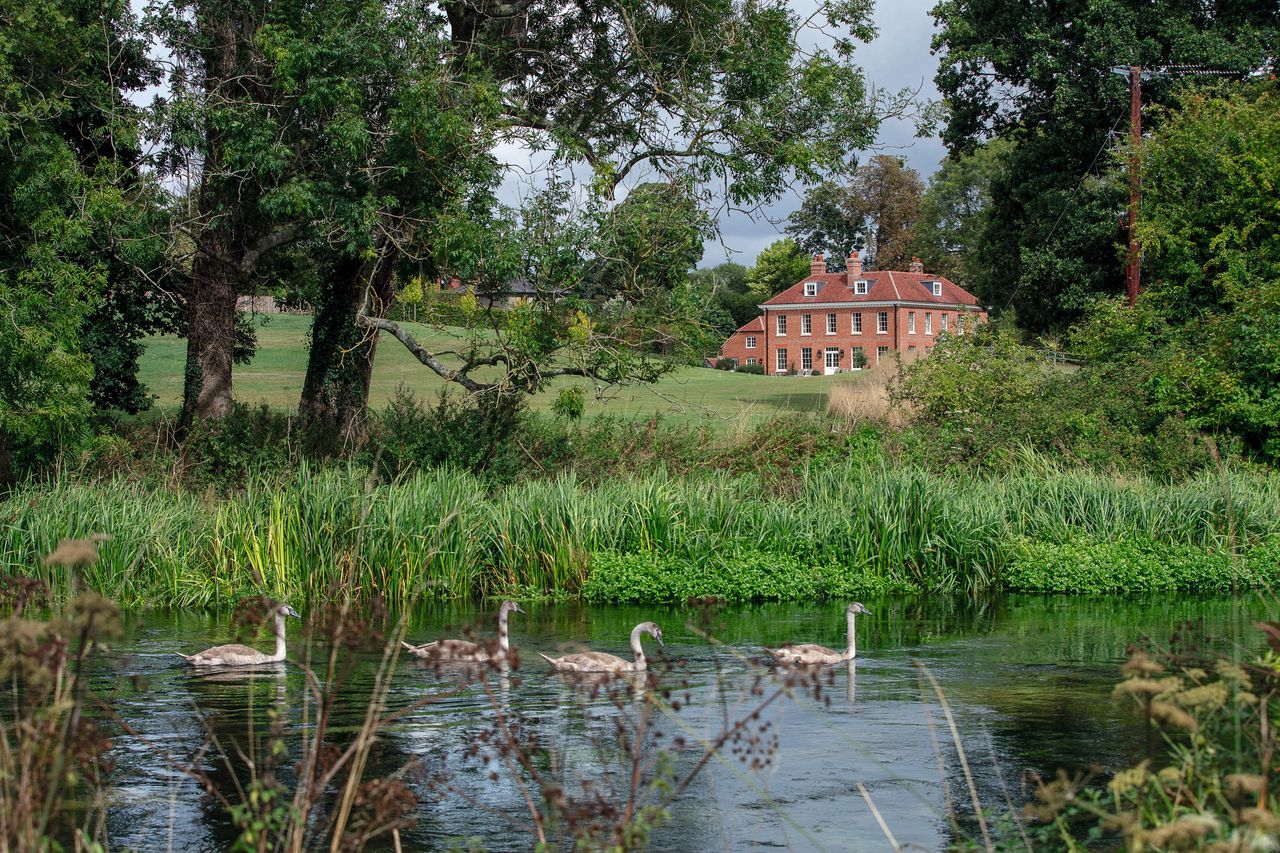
(1050, 243)
(67, 224)
(1135, 565)
(778, 266)
(984, 397)
(825, 222)
(954, 212)
(570, 403)
(1211, 231)
(845, 525)
(734, 577)
(467, 435)
(752, 369)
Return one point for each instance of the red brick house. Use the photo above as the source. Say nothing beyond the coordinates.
(832, 322)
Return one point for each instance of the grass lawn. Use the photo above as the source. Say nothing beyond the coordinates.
(275, 378)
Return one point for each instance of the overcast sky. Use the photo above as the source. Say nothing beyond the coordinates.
(899, 57)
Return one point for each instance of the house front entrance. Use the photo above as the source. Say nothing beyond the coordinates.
(832, 363)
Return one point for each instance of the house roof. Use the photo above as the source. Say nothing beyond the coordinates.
(754, 325)
(882, 286)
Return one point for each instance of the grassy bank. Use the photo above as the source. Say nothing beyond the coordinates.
(858, 526)
(690, 394)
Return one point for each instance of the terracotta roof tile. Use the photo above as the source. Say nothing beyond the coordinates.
(883, 286)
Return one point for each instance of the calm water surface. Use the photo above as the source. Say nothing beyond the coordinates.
(1028, 678)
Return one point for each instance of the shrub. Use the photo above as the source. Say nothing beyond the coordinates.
(724, 364)
(454, 433)
(753, 369)
(249, 441)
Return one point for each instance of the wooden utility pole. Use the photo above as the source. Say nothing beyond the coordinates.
(1132, 268)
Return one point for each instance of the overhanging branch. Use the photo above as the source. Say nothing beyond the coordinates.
(422, 354)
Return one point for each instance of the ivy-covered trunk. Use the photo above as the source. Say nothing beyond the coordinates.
(335, 393)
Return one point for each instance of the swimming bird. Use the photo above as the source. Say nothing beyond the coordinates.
(234, 654)
(465, 650)
(602, 662)
(811, 653)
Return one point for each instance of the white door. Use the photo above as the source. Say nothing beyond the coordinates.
(832, 363)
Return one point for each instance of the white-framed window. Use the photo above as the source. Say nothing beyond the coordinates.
(782, 359)
(782, 324)
(832, 358)
(734, 360)
(881, 352)
(928, 323)
(810, 288)
(959, 324)
(860, 288)
(911, 322)
(946, 319)
(936, 287)
(806, 324)
(750, 361)
(806, 358)
(857, 322)
(857, 358)
(882, 323)
(831, 324)
(751, 341)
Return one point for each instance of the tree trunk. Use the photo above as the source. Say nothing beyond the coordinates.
(335, 393)
(226, 30)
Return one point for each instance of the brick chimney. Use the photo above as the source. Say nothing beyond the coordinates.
(916, 265)
(818, 266)
(853, 266)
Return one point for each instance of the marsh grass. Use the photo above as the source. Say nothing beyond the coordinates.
(446, 534)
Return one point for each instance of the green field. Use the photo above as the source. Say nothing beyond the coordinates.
(275, 377)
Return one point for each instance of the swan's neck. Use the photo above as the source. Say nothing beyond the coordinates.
(851, 648)
(636, 648)
(279, 655)
(504, 642)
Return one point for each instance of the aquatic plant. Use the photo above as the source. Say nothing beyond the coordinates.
(446, 534)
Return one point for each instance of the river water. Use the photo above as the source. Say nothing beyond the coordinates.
(1027, 679)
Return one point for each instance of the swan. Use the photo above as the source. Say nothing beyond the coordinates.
(811, 653)
(601, 662)
(465, 650)
(234, 654)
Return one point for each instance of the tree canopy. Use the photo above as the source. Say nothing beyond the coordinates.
(1039, 75)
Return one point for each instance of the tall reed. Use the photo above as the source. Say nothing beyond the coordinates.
(442, 533)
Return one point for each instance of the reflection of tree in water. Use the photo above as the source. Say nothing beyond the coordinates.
(235, 708)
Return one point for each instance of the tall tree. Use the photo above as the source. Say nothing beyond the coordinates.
(826, 222)
(778, 266)
(954, 212)
(72, 203)
(875, 211)
(222, 129)
(885, 195)
(708, 94)
(1040, 75)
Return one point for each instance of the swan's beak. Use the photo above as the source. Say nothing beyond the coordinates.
(658, 637)
(289, 611)
(517, 608)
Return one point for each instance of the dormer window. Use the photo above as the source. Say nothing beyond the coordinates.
(860, 287)
(935, 287)
(810, 288)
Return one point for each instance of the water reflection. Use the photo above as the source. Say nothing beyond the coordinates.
(1028, 680)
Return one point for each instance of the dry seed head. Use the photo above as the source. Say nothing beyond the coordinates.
(75, 552)
(1262, 820)
(1184, 833)
(1210, 696)
(1172, 715)
(1140, 687)
(1170, 776)
(1139, 664)
(1241, 784)
(1234, 672)
(1128, 780)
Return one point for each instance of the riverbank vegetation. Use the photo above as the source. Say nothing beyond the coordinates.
(830, 528)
